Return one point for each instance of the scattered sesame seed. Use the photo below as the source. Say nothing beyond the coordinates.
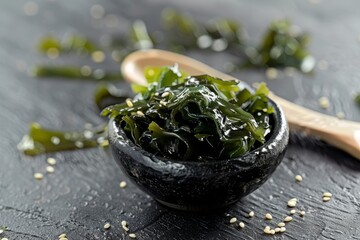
(326, 199)
(125, 225)
(327, 194)
(288, 219)
(64, 238)
(298, 178)
(163, 102)
(4, 238)
(50, 169)
(251, 214)
(277, 229)
(88, 134)
(272, 231)
(324, 102)
(233, 220)
(267, 230)
(51, 161)
(52, 53)
(31, 8)
(1, 231)
(156, 94)
(271, 73)
(107, 226)
(97, 11)
(165, 94)
(268, 216)
(242, 225)
(98, 56)
(293, 211)
(132, 235)
(38, 176)
(282, 229)
(281, 224)
(85, 70)
(123, 184)
(302, 213)
(129, 102)
(62, 235)
(292, 202)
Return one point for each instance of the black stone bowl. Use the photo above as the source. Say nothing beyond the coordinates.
(200, 186)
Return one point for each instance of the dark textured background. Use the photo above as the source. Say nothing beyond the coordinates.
(83, 193)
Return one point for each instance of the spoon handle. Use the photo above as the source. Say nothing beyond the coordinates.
(342, 134)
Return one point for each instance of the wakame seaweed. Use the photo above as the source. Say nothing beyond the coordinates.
(194, 118)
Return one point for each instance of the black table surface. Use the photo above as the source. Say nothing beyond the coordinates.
(83, 193)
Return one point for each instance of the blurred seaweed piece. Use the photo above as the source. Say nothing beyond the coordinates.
(40, 140)
(73, 72)
(185, 33)
(357, 99)
(283, 45)
(107, 94)
(72, 44)
(139, 36)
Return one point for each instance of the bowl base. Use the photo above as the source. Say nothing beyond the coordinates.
(195, 208)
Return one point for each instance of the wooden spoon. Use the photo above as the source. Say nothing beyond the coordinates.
(340, 133)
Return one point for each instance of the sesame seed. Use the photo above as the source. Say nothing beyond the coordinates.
(327, 194)
(140, 113)
(298, 178)
(129, 102)
(107, 226)
(50, 169)
(251, 214)
(233, 220)
(282, 229)
(326, 199)
(165, 94)
(51, 161)
(324, 102)
(64, 238)
(38, 176)
(62, 235)
(271, 73)
(281, 224)
(125, 225)
(242, 225)
(267, 230)
(288, 219)
(132, 235)
(272, 231)
(163, 102)
(55, 140)
(31, 8)
(156, 94)
(302, 213)
(1, 231)
(99, 73)
(292, 202)
(123, 184)
(98, 56)
(4, 238)
(88, 134)
(277, 229)
(268, 216)
(97, 11)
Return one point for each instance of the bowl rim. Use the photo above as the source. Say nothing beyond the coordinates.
(280, 129)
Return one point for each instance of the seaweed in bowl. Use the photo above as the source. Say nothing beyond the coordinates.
(194, 118)
(197, 143)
